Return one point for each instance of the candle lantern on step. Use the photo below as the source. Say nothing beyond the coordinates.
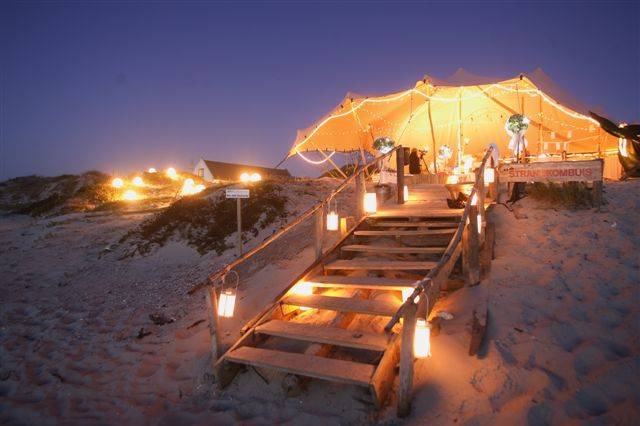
(370, 204)
(333, 219)
(406, 193)
(303, 288)
(421, 339)
(227, 302)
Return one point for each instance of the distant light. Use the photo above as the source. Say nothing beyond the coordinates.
(130, 195)
(452, 179)
(137, 181)
(189, 181)
(245, 177)
(171, 173)
(152, 170)
(255, 177)
(489, 175)
(189, 187)
(117, 183)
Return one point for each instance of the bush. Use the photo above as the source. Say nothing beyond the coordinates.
(571, 195)
(206, 222)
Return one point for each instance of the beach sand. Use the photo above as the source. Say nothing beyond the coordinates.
(562, 345)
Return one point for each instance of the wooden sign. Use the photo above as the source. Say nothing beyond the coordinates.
(237, 193)
(552, 171)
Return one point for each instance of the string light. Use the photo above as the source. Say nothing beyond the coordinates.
(459, 98)
(117, 183)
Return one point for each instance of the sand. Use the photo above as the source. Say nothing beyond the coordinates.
(562, 345)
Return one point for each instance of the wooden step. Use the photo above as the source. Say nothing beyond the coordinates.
(417, 211)
(344, 304)
(371, 283)
(380, 265)
(304, 365)
(404, 232)
(325, 334)
(390, 249)
(407, 224)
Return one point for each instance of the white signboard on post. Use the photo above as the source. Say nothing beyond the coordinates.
(237, 193)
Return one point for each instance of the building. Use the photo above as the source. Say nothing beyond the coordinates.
(215, 170)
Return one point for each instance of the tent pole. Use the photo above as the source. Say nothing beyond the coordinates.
(460, 127)
(334, 164)
(433, 138)
(540, 125)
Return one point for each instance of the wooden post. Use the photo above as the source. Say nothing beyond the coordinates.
(319, 230)
(212, 313)
(470, 249)
(360, 191)
(597, 193)
(405, 386)
(400, 174)
(239, 219)
(481, 197)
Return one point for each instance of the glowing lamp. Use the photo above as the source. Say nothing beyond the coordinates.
(189, 182)
(303, 288)
(406, 292)
(479, 223)
(452, 179)
(171, 173)
(137, 181)
(406, 192)
(489, 175)
(245, 177)
(117, 183)
(370, 204)
(152, 170)
(474, 199)
(468, 163)
(421, 339)
(130, 195)
(199, 188)
(227, 303)
(622, 147)
(332, 221)
(255, 177)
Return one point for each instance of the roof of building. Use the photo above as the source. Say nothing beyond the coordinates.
(219, 168)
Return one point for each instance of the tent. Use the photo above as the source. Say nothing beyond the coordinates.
(466, 112)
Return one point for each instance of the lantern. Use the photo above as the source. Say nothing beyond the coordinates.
(117, 183)
(137, 181)
(370, 204)
(479, 223)
(421, 343)
(489, 175)
(332, 221)
(303, 288)
(406, 193)
(474, 199)
(227, 302)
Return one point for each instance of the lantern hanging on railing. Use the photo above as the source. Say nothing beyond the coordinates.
(227, 302)
(421, 339)
(370, 204)
(406, 193)
(489, 175)
(333, 219)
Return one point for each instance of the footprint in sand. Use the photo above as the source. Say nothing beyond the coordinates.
(147, 369)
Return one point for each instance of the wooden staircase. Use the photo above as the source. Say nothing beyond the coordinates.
(363, 274)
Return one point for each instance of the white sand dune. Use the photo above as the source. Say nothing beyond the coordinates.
(563, 342)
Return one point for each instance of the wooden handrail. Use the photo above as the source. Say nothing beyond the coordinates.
(222, 271)
(422, 284)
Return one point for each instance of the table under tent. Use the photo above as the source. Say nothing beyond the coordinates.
(451, 122)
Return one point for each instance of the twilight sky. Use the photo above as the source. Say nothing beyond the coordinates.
(120, 86)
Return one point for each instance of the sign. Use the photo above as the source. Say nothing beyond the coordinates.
(237, 193)
(552, 171)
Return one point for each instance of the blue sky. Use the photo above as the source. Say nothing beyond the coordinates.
(119, 86)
